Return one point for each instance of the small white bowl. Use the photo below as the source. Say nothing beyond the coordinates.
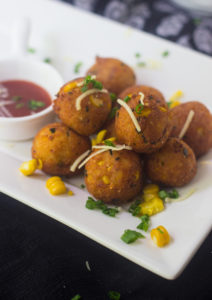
(42, 74)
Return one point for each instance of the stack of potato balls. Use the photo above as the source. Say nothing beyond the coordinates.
(145, 139)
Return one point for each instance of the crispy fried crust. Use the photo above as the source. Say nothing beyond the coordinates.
(173, 165)
(199, 133)
(58, 147)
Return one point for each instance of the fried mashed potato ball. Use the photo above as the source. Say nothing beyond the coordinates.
(113, 74)
(199, 133)
(58, 147)
(154, 121)
(114, 176)
(150, 92)
(110, 127)
(94, 111)
(173, 165)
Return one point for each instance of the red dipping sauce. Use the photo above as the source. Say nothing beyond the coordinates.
(19, 98)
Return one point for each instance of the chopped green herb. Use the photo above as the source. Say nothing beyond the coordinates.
(77, 67)
(76, 297)
(19, 105)
(169, 103)
(31, 50)
(130, 236)
(161, 231)
(113, 97)
(139, 107)
(165, 53)
(109, 143)
(88, 80)
(93, 204)
(141, 64)
(144, 225)
(127, 99)
(137, 55)
(113, 112)
(47, 60)
(34, 104)
(114, 295)
(162, 194)
(16, 98)
(82, 186)
(134, 208)
(172, 194)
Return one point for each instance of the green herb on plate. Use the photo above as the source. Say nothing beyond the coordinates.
(77, 67)
(114, 295)
(130, 236)
(144, 225)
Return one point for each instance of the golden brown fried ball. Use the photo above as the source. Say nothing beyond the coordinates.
(94, 111)
(58, 147)
(150, 92)
(114, 176)
(173, 165)
(199, 133)
(110, 127)
(153, 119)
(113, 74)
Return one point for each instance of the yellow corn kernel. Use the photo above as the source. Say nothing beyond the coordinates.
(93, 142)
(162, 108)
(100, 136)
(106, 179)
(174, 103)
(129, 95)
(68, 87)
(152, 207)
(101, 163)
(145, 112)
(28, 167)
(109, 168)
(148, 197)
(70, 193)
(112, 139)
(39, 164)
(176, 96)
(95, 101)
(151, 189)
(52, 180)
(137, 175)
(160, 236)
(57, 188)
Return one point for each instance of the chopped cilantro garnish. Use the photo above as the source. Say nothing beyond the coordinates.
(141, 64)
(113, 112)
(134, 208)
(31, 50)
(127, 99)
(47, 60)
(161, 231)
(93, 204)
(34, 104)
(19, 105)
(130, 236)
(109, 143)
(76, 297)
(137, 55)
(113, 97)
(16, 98)
(169, 103)
(139, 107)
(82, 186)
(88, 80)
(172, 194)
(77, 67)
(165, 53)
(144, 225)
(114, 295)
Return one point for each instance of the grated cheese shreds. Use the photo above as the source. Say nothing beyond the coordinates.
(103, 149)
(78, 160)
(187, 124)
(131, 114)
(188, 194)
(141, 97)
(87, 93)
(87, 265)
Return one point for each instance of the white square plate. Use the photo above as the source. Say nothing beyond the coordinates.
(68, 36)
